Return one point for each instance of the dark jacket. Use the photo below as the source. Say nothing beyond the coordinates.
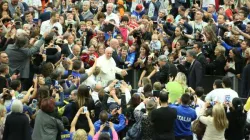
(202, 59)
(217, 66)
(245, 85)
(163, 74)
(17, 127)
(65, 50)
(195, 74)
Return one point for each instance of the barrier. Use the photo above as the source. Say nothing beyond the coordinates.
(207, 81)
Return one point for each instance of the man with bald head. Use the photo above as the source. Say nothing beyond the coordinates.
(76, 50)
(114, 44)
(108, 67)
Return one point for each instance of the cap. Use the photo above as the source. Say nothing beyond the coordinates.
(113, 106)
(139, 7)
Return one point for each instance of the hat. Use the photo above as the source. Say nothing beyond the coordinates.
(151, 104)
(113, 106)
(139, 7)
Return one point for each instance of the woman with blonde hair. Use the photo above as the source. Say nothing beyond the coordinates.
(176, 86)
(216, 124)
(216, 67)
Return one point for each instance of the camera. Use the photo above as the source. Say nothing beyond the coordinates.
(118, 84)
(137, 34)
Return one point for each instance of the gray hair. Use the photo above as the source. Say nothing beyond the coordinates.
(192, 53)
(162, 58)
(17, 106)
(86, 3)
(110, 4)
(74, 92)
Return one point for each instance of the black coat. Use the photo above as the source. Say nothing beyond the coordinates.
(195, 74)
(17, 127)
(65, 50)
(202, 59)
(245, 85)
(217, 66)
(163, 74)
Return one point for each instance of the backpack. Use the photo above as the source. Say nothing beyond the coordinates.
(134, 133)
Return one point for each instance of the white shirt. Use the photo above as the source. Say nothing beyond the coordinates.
(200, 105)
(205, 3)
(47, 26)
(113, 16)
(108, 69)
(91, 80)
(35, 3)
(219, 95)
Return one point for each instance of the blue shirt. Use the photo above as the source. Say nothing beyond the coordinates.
(185, 115)
(65, 135)
(72, 135)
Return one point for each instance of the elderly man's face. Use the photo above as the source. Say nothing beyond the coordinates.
(85, 7)
(108, 54)
(4, 58)
(109, 8)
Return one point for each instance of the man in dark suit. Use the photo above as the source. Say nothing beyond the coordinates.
(67, 48)
(162, 72)
(222, 27)
(114, 44)
(200, 56)
(195, 70)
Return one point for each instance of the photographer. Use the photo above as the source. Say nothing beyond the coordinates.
(163, 70)
(100, 135)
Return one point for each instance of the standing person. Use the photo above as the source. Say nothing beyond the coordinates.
(20, 55)
(164, 69)
(200, 56)
(185, 115)
(163, 119)
(216, 124)
(53, 22)
(46, 127)
(13, 4)
(237, 120)
(245, 75)
(86, 13)
(195, 70)
(108, 67)
(17, 124)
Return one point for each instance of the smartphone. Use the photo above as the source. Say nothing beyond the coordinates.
(85, 109)
(18, 23)
(34, 103)
(44, 51)
(34, 77)
(17, 72)
(227, 98)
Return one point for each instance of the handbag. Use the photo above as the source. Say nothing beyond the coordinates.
(198, 128)
(134, 133)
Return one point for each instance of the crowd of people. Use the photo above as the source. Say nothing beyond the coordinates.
(66, 68)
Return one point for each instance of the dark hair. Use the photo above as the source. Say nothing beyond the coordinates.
(3, 68)
(135, 100)
(147, 88)
(104, 136)
(163, 96)
(182, 8)
(28, 12)
(14, 84)
(101, 15)
(42, 92)
(185, 99)
(103, 116)
(199, 44)
(218, 83)
(227, 81)
(238, 111)
(1, 5)
(237, 56)
(145, 46)
(77, 64)
(224, 16)
(49, 38)
(47, 69)
(47, 105)
(199, 91)
(125, 18)
(82, 95)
